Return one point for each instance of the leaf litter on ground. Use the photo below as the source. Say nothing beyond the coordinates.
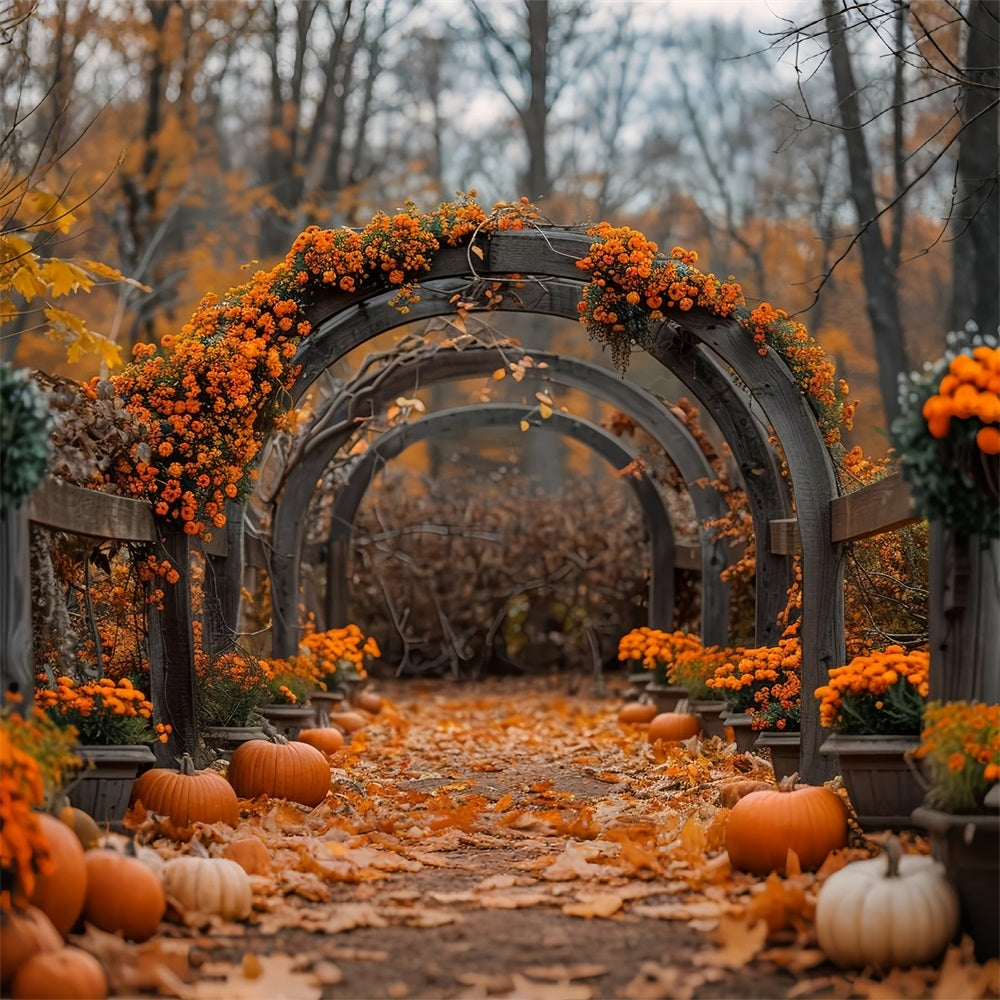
(511, 795)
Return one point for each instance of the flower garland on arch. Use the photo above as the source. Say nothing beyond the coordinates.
(209, 395)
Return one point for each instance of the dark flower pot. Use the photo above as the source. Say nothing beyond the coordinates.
(104, 785)
(968, 845)
(881, 785)
(782, 747)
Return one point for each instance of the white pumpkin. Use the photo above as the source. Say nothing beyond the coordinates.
(887, 912)
(210, 886)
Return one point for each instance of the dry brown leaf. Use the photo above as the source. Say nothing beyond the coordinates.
(529, 989)
(602, 904)
(259, 978)
(514, 900)
(578, 970)
(573, 863)
(739, 943)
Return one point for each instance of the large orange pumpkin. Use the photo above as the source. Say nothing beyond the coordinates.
(673, 727)
(23, 933)
(294, 771)
(66, 973)
(326, 739)
(185, 797)
(61, 882)
(123, 895)
(765, 825)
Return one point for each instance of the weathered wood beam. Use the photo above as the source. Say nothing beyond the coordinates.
(75, 509)
(879, 507)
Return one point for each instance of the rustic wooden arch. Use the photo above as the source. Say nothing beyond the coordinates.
(721, 366)
(393, 442)
(335, 424)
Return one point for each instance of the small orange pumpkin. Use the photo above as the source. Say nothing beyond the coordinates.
(349, 722)
(123, 895)
(326, 739)
(765, 825)
(672, 727)
(369, 701)
(185, 797)
(732, 791)
(68, 972)
(23, 933)
(294, 771)
(637, 713)
(61, 884)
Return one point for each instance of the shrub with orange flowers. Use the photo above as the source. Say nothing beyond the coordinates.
(230, 686)
(878, 694)
(960, 750)
(692, 668)
(765, 682)
(338, 653)
(36, 754)
(657, 650)
(948, 437)
(104, 712)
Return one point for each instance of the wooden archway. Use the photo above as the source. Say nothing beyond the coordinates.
(720, 365)
(334, 425)
(393, 442)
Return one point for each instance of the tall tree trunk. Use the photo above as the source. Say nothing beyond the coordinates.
(880, 279)
(976, 246)
(534, 116)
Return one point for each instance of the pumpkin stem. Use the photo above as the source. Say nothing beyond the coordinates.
(788, 783)
(186, 765)
(893, 852)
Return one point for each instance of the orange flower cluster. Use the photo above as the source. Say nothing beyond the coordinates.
(960, 745)
(338, 648)
(102, 711)
(878, 693)
(34, 753)
(765, 682)
(969, 391)
(207, 396)
(290, 681)
(631, 284)
(692, 668)
(656, 649)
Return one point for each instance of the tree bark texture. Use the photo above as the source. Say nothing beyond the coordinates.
(880, 279)
(976, 221)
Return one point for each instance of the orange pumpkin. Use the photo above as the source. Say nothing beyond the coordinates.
(185, 797)
(349, 722)
(23, 933)
(67, 974)
(294, 771)
(326, 739)
(673, 727)
(637, 713)
(369, 701)
(61, 882)
(250, 853)
(765, 825)
(123, 895)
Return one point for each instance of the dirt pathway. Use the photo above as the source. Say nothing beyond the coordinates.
(502, 839)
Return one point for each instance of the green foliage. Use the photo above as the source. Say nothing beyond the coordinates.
(25, 426)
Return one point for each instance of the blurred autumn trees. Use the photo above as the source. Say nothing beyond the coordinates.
(242, 123)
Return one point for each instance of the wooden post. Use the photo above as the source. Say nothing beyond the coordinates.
(964, 620)
(223, 586)
(16, 670)
(171, 659)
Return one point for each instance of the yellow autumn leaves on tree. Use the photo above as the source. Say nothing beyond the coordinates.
(30, 278)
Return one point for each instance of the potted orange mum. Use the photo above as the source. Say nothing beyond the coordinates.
(874, 705)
